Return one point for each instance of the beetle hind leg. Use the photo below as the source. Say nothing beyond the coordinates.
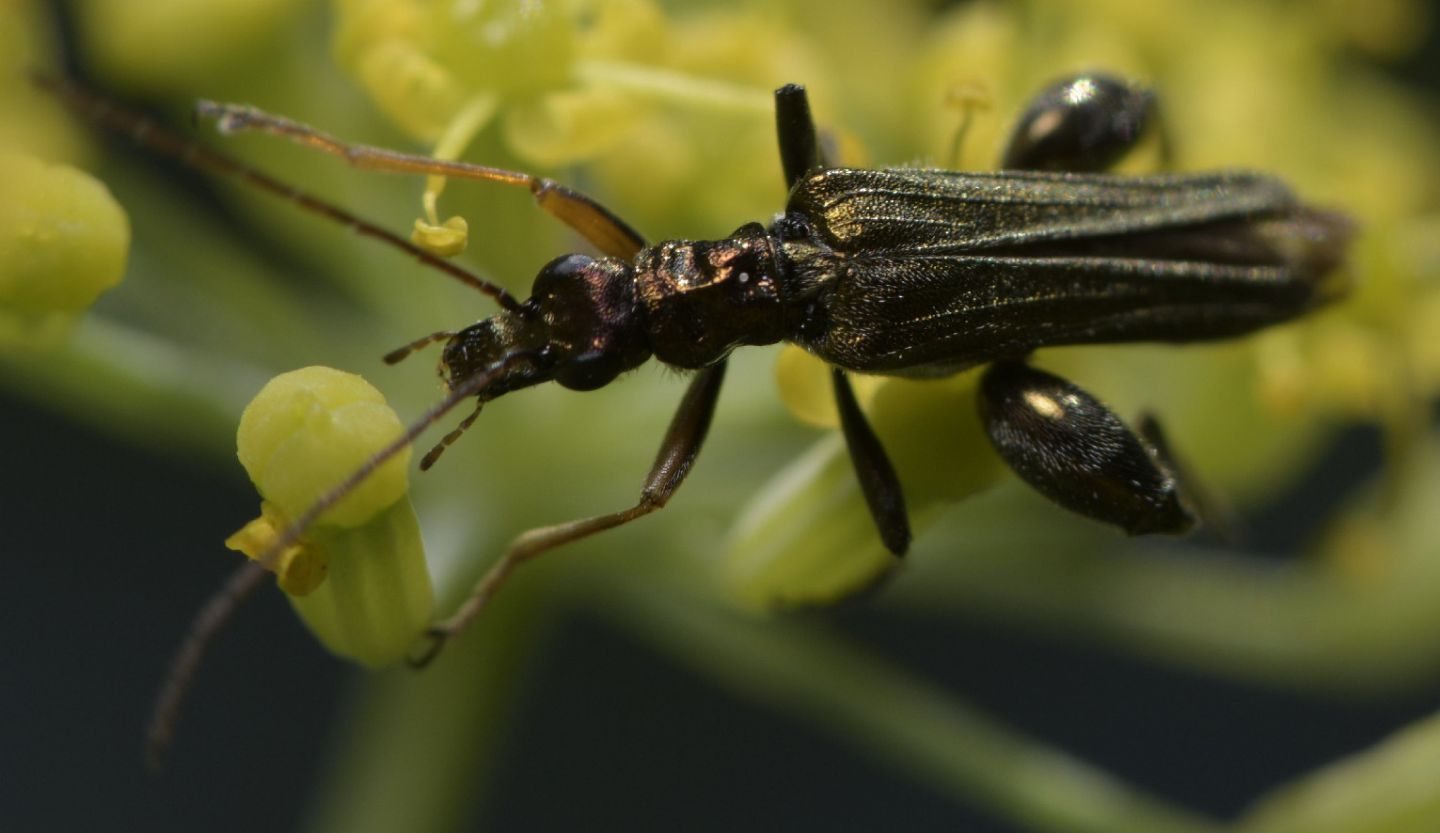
(1074, 450)
(800, 152)
(1084, 123)
(1211, 510)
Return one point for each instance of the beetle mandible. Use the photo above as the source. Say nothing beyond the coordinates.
(904, 272)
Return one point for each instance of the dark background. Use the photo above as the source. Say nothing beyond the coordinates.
(88, 632)
(88, 627)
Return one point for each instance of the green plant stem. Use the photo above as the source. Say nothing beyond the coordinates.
(129, 383)
(1389, 788)
(894, 716)
(416, 749)
(1358, 615)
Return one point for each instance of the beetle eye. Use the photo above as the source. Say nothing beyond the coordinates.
(590, 371)
(562, 272)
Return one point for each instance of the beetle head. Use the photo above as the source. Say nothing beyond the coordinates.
(582, 326)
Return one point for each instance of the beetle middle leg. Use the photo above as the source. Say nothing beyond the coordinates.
(878, 481)
(800, 153)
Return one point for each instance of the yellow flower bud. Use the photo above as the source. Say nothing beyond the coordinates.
(357, 576)
(307, 430)
(63, 241)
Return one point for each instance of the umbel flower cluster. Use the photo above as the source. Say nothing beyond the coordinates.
(663, 110)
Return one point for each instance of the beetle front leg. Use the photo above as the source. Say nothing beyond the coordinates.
(1077, 452)
(591, 220)
(878, 481)
(678, 451)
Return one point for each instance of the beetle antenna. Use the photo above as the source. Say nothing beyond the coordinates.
(212, 617)
(590, 219)
(446, 441)
(150, 135)
(400, 353)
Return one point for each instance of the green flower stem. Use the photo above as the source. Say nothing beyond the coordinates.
(415, 749)
(377, 597)
(1389, 788)
(1361, 614)
(955, 748)
(706, 94)
(129, 382)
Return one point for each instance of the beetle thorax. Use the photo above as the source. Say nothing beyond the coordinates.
(704, 298)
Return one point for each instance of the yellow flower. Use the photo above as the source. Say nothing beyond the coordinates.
(356, 573)
(63, 241)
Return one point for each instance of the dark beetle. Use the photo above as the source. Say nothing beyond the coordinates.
(924, 273)
(905, 272)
